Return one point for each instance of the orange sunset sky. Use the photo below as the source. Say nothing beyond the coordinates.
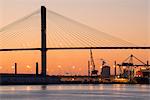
(125, 19)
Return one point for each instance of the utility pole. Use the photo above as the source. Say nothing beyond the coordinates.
(88, 68)
(115, 69)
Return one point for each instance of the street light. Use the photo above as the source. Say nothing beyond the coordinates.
(73, 67)
(29, 67)
(12, 67)
(59, 66)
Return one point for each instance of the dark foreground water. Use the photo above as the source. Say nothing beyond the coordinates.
(76, 92)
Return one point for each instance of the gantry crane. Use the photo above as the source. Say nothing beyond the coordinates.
(129, 63)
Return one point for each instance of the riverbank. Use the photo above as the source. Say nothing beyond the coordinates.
(32, 79)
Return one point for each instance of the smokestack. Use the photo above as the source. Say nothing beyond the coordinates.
(37, 68)
(15, 68)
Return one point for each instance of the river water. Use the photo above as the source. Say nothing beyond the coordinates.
(76, 92)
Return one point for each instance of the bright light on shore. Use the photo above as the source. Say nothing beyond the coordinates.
(73, 67)
(101, 66)
(28, 66)
(114, 66)
(12, 67)
(124, 67)
(143, 68)
(59, 66)
(47, 69)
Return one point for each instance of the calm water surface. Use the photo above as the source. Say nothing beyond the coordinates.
(76, 92)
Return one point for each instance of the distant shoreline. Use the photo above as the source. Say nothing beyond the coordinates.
(33, 79)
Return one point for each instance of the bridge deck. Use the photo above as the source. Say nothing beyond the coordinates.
(65, 48)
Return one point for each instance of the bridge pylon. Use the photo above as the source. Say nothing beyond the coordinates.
(43, 41)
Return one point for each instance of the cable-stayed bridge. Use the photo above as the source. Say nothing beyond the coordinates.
(62, 32)
(58, 33)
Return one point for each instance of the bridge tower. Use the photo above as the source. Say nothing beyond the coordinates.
(43, 41)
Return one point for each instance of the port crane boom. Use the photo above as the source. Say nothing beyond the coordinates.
(94, 71)
(129, 64)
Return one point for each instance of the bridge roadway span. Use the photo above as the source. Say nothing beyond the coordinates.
(65, 48)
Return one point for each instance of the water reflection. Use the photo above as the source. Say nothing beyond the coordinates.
(28, 88)
(12, 89)
(44, 87)
(75, 92)
(60, 87)
(118, 87)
